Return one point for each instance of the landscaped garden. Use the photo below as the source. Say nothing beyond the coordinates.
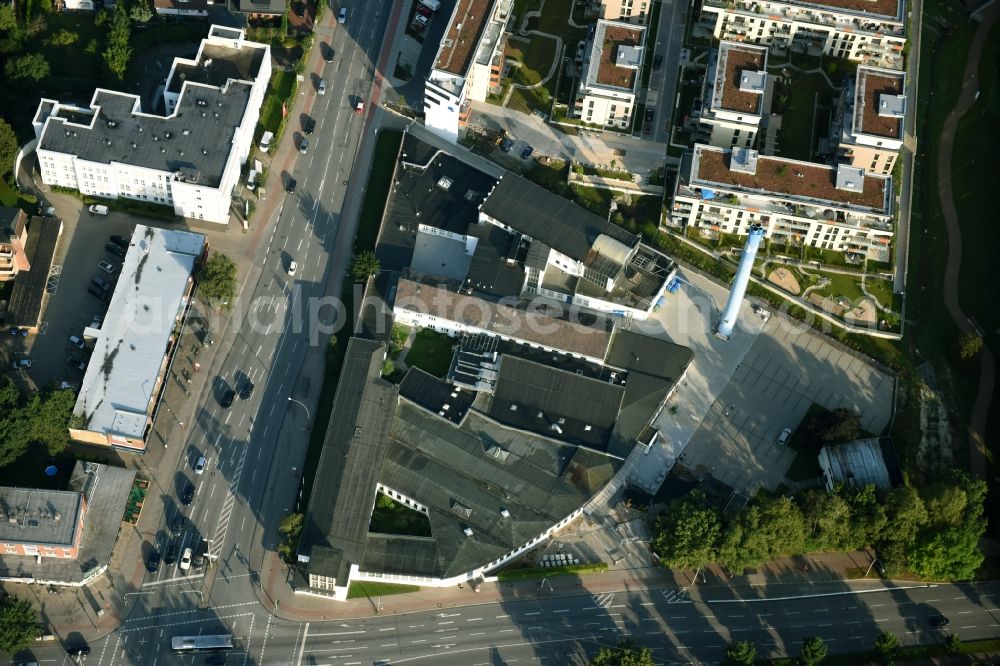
(431, 352)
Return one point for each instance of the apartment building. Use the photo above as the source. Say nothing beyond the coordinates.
(606, 93)
(867, 31)
(868, 121)
(733, 96)
(838, 208)
(13, 238)
(468, 64)
(629, 11)
(189, 158)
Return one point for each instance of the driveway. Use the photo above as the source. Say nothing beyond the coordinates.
(587, 147)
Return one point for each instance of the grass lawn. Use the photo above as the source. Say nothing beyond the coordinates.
(880, 289)
(367, 589)
(595, 200)
(431, 352)
(551, 176)
(278, 89)
(391, 517)
(843, 286)
(8, 197)
(536, 59)
(796, 137)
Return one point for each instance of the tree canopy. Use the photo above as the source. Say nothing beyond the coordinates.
(828, 427)
(364, 266)
(8, 147)
(35, 418)
(18, 624)
(687, 533)
(119, 51)
(32, 66)
(814, 651)
(217, 280)
(625, 654)
(743, 653)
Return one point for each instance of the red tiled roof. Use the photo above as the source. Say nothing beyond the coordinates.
(737, 60)
(471, 15)
(875, 85)
(797, 179)
(877, 7)
(608, 72)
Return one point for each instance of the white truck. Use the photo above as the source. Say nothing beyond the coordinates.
(97, 209)
(265, 141)
(432, 5)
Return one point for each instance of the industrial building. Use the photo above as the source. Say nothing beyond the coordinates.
(63, 537)
(607, 90)
(868, 120)
(733, 96)
(187, 154)
(867, 31)
(839, 208)
(863, 462)
(132, 350)
(468, 64)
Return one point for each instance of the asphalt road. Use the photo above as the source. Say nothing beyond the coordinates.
(663, 82)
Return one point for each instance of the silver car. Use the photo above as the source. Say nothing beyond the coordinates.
(321, 88)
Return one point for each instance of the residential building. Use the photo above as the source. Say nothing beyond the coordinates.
(189, 158)
(78, 5)
(868, 121)
(63, 537)
(197, 8)
(612, 67)
(133, 349)
(27, 248)
(263, 9)
(468, 64)
(734, 95)
(630, 11)
(867, 31)
(839, 208)
(450, 224)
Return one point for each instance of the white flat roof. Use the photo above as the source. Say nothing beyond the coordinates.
(121, 377)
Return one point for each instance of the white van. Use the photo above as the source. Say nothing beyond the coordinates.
(98, 210)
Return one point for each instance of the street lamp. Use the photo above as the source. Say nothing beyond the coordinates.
(301, 404)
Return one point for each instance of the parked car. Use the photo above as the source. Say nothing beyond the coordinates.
(657, 61)
(246, 390)
(116, 250)
(526, 153)
(188, 495)
(506, 144)
(328, 52)
(226, 399)
(106, 266)
(292, 266)
(321, 88)
(120, 241)
(199, 465)
(186, 560)
(649, 115)
(178, 526)
(77, 342)
(199, 554)
(153, 562)
(99, 294)
(308, 125)
(304, 146)
(22, 363)
(421, 20)
(171, 555)
(359, 106)
(785, 434)
(290, 186)
(76, 363)
(100, 283)
(18, 332)
(98, 210)
(342, 15)
(424, 10)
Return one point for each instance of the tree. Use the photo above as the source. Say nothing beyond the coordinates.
(626, 654)
(828, 517)
(291, 528)
(813, 651)
(8, 19)
(867, 515)
(63, 38)
(687, 533)
(949, 554)
(8, 147)
(952, 644)
(762, 532)
(969, 346)
(906, 514)
(119, 52)
(364, 266)
(887, 645)
(18, 624)
(743, 653)
(49, 415)
(140, 12)
(217, 279)
(830, 427)
(946, 503)
(388, 367)
(32, 66)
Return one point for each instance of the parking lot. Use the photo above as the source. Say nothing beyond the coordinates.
(725, 417)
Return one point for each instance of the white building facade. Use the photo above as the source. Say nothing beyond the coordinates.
(867, 31)
(468, 64)
(733, 96)
(607, 91)
(838, 208)
(868, 120)
(190, 158)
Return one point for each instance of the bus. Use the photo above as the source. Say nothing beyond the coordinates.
(202, 643)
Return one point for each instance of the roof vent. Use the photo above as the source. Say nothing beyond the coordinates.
(460, 509)
(505, 513)
(513, 407)
(357, 432)
(445, 183)
(468, 532)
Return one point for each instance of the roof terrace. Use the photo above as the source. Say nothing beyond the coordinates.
(740, 78)
(620, 54)
(459, 43)
(879, 105)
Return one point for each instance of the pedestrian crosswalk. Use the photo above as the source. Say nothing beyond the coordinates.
(227, 507)
(675, 596)
(604, 600)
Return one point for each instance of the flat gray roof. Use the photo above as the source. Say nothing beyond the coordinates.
(34, 516)
(121, 378)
